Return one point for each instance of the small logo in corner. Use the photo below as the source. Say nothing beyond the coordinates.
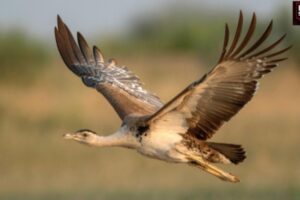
(296, 12)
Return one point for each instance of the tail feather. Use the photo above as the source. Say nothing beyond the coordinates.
(234, 152)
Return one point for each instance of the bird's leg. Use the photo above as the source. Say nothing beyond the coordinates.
(199, 162)
(204, 165)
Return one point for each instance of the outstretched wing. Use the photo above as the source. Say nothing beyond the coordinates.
(122, 88)
(209, 102)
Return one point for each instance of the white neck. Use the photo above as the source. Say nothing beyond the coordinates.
(120, 138)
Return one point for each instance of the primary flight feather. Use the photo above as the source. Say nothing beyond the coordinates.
(178, 130)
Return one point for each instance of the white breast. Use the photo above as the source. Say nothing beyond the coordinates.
(163, 136)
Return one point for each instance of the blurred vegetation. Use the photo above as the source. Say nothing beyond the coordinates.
(187, 32)
(196, 32)
(21, 57)
(285, 26)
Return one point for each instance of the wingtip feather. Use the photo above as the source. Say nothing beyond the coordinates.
(58, 18)
(98, 55)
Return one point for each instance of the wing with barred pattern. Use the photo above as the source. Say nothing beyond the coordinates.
(212, 100)
(121, 87)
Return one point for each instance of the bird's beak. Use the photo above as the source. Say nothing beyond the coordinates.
(68, 136)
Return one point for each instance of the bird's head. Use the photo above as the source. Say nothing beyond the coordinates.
(84, 136)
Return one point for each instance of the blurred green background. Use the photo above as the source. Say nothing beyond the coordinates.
(168, 44)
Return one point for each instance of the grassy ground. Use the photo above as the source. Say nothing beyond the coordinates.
(36, 163)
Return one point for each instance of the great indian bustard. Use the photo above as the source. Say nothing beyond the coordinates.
(178, 130)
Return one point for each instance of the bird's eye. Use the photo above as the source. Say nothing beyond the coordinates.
(84, 134)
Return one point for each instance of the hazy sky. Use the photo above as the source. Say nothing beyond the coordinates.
(98, 16)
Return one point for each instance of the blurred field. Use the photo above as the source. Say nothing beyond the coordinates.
(36, 163)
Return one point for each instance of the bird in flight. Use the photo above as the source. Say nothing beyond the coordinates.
(179, 130)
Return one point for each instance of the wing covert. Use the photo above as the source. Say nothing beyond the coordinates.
(209, 102)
